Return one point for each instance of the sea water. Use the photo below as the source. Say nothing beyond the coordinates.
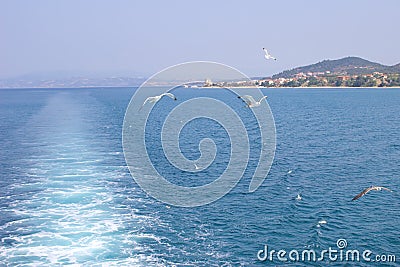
(67, 197)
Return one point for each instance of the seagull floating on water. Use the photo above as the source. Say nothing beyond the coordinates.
(366, 190)
(268, 55)
(155, 99)
(250, 102)
(298, 197)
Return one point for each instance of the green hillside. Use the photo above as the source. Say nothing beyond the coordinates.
(345, 66)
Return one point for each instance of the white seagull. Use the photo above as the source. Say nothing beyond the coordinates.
(155, 99)
(250, 102)
(366, 190)
(320, 223)
(197, 167)
(268, 55)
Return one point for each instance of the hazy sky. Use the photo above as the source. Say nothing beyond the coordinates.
(142, 37)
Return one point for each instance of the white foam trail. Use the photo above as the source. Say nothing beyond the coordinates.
(69, 215)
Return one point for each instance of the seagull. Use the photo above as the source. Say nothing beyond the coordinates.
(268, 55)
(155, 99)
(250, 102)
(366, 190)
(298, 197)
(197, 167)
(321, 223)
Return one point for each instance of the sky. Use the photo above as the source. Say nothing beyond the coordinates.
(140, 38)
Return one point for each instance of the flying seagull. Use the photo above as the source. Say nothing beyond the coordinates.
(268, 55)
(155, 99)
(366, 190)
(250, 102)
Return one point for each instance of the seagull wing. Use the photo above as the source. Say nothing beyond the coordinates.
(170, 95)
(385, 188)
(362, 193)
(268, 55)
(248, 99)
(262, 98)
(144, 103)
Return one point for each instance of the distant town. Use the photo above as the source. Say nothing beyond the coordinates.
(317, 79)
(345, 72)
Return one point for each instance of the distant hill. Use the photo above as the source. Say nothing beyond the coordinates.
(346, 66)
(396, 68)
(74, 82)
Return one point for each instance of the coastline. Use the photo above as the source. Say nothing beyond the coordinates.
(201, 87)
(299, 87)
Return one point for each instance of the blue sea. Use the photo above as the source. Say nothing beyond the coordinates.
(68, 198)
